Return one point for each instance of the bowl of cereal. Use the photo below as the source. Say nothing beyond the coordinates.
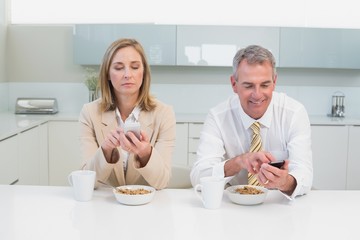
(246, 194)
(134, 194)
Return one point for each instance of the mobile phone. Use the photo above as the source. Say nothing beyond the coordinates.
(277, 164)
(134, 128)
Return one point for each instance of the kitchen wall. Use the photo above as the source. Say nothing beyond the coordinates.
(4, 96)
(2, 40)
(3, 84)
(40, 64)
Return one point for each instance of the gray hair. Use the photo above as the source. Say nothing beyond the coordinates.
(253, 54)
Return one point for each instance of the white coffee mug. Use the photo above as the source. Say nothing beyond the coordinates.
(82, 182)
(212, 190)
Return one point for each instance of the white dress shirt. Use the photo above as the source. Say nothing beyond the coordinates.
(285, 132)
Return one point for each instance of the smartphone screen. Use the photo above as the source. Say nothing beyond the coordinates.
(277, 164)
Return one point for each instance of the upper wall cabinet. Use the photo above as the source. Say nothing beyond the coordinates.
(320, 48)
(217, 45)
(92, 40)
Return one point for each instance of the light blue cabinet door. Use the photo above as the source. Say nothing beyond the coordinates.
(92, 40)
(217, 45)
(320, 48)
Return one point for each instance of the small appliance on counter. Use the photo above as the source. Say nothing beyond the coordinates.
(338, 106)
(36, 106)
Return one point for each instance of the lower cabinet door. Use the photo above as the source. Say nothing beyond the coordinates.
(353, 166)
(9, 160)
(181, 149)
(64, 151)
(329, 146)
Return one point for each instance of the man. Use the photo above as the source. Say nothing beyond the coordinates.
(285, 131)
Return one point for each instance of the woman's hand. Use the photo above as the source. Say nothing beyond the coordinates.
(140, 147)
(109, 146)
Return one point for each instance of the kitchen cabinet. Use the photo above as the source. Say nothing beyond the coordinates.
(44, 154)
(193, 141)
(92, 40)
(32, 156)
(211, 45)
(353, 164)
(319, 48)
(9, 160)
(64, 151)
(187, 141)
(330, 155)
(181, 147)
(217, 45)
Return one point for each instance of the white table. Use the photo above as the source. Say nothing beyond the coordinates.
(45, 212)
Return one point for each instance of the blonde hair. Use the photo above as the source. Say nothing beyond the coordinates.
(145, 101)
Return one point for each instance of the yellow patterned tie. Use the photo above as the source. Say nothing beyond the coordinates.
(255, 147)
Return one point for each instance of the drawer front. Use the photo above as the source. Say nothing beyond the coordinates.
(195, 129)
(193, 144)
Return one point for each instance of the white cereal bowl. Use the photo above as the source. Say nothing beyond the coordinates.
(137, 199)
(246, 199)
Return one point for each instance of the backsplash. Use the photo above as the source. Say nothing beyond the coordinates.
(70, 96)
(185, 98)
(4, 96)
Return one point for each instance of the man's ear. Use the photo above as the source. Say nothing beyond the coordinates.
(275, 79)
(233, 83)
(232, 80)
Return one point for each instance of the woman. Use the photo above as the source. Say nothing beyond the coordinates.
(119, 158)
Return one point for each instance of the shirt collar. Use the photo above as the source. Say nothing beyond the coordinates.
(135, 114)
(133, 117)
(118, 118)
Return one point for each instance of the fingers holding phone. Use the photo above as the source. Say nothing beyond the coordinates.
(137, 142)
(132, 129)
(271, 174)
(279, 158)
(274, 174)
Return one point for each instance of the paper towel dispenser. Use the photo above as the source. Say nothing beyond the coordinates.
(36, 106)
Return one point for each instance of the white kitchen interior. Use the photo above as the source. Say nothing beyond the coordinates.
(37, 60)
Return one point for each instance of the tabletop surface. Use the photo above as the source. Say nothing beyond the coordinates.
(48, 212)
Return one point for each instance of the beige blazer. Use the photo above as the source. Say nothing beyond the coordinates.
(160, 126)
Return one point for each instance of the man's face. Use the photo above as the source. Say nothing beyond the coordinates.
(254, 86)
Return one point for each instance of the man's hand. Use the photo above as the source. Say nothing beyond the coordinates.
(250, 161)
(273, 177)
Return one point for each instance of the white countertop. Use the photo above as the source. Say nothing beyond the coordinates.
(12, 124)
(44, 212)
(188, 117)
(326, 120)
